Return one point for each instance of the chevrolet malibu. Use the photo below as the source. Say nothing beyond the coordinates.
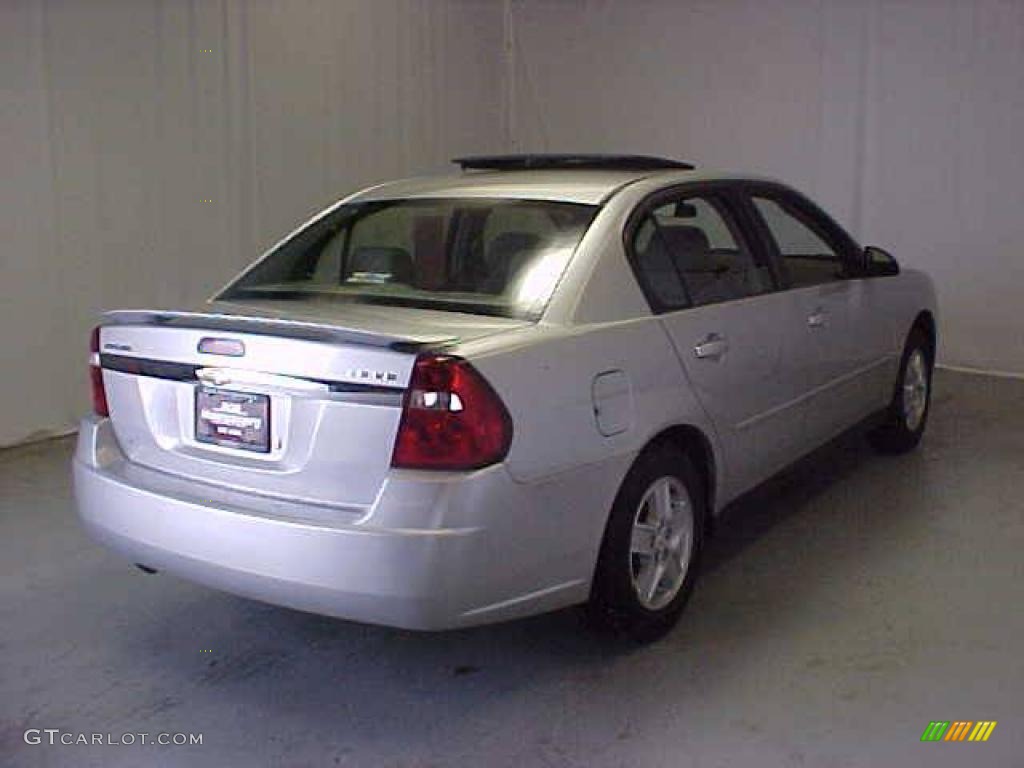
(450, 401)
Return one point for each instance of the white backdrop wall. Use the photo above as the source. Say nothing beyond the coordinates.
(906, 119)
(118, 120)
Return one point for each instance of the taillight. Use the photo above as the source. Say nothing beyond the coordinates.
(99, 394)
(451, 418)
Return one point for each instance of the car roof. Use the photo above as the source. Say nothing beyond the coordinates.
(587, 186)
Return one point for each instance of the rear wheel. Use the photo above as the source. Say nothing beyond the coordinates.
(907, 414)
(651, 550)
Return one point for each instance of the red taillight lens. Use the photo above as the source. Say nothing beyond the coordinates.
(451, 419)
(99, 394)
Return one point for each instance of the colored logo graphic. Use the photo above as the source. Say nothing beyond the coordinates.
(958, 730)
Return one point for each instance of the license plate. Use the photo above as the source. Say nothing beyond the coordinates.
(233, 419)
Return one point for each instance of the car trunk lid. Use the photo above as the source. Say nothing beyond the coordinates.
(302, 408)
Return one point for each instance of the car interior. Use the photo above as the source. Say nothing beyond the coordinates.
(690, 241)
(477, 251)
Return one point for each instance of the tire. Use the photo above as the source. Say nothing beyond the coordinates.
(627, 595)
(907, 415)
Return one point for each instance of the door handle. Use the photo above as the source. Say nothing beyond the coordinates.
(817, 318)
(712, 348)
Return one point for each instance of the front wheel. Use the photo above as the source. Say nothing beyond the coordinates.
(907, 414)
(651, 550)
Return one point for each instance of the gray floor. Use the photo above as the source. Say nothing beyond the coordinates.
(842, 609)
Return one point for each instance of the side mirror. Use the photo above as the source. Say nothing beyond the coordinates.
(879, 263)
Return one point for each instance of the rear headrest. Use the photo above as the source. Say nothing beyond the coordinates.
(506, 255)
(509, 244)
(690, 246)
(383, 264)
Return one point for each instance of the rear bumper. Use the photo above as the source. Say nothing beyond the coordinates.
(434, 552)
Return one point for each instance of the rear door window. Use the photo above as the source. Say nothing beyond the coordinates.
(657, 271)
(690, 251)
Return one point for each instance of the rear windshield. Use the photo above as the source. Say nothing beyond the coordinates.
(494, 257)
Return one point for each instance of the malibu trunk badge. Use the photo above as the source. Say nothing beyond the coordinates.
(229, 347)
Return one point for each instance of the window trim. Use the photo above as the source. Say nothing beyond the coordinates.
(727, 193)
(813, 217)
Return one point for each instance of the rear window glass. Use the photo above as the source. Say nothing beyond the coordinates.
(495, 257)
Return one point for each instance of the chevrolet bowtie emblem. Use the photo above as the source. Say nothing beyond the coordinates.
(214, 376)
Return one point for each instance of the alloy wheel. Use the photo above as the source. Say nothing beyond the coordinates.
(661, 542)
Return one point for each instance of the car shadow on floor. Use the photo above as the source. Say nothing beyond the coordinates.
(747, 519)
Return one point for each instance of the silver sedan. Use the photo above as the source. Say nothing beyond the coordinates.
(449, 401)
